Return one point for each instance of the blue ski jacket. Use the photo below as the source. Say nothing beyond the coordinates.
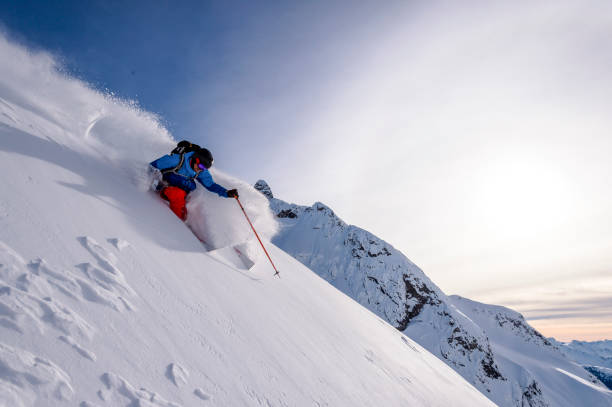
(184, 176)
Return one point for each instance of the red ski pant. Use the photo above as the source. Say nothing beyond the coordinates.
(176, 197)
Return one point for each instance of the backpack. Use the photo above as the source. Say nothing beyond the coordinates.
(182, 148)
(185, 147)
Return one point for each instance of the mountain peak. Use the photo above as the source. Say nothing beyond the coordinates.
(263, 187)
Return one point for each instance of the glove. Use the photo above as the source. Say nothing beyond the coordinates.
(232, 193)
(155, 178)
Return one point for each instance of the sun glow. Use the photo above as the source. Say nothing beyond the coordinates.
(519, 197)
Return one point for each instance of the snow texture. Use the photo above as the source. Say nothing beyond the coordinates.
(25, 378)
(118, 243)
(177, 373)
(88, 321)
(201, 394)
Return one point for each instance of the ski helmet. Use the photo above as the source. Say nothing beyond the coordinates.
(203, 157)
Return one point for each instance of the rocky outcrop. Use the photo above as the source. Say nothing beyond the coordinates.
(263, 187)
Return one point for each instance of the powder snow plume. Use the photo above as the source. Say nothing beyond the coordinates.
(220, 222)
(40, 99)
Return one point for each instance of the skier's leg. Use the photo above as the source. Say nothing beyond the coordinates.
(176, 197)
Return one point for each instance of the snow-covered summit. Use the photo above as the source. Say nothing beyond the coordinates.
(468, 336)
(107, 299)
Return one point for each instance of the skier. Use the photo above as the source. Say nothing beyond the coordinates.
(179, 170)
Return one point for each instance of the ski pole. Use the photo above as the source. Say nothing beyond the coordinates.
(260, 242)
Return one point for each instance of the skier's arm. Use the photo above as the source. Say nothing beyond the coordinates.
(207, 181)
(167, 161)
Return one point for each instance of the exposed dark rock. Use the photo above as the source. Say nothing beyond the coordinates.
(382, 290)
(287, 213)
(263, 187)
(384, 251)
(422, 294)
(490, 368)
(532, 396)
(520, 325)
(463, 341)
(359, 251)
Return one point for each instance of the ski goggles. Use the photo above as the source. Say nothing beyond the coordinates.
(203, 166)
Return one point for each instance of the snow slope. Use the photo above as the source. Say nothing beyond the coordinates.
(107, 299)
(478, 345)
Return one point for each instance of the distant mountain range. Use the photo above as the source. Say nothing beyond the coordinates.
(597, 353)
(596, 357)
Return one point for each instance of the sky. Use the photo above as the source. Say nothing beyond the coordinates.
(475, 138)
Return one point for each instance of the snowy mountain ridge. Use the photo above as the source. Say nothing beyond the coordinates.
(510, 321)
(470, 337)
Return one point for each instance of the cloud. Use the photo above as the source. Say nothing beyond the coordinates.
(567, 306)
(572, 315)
(96, 123)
